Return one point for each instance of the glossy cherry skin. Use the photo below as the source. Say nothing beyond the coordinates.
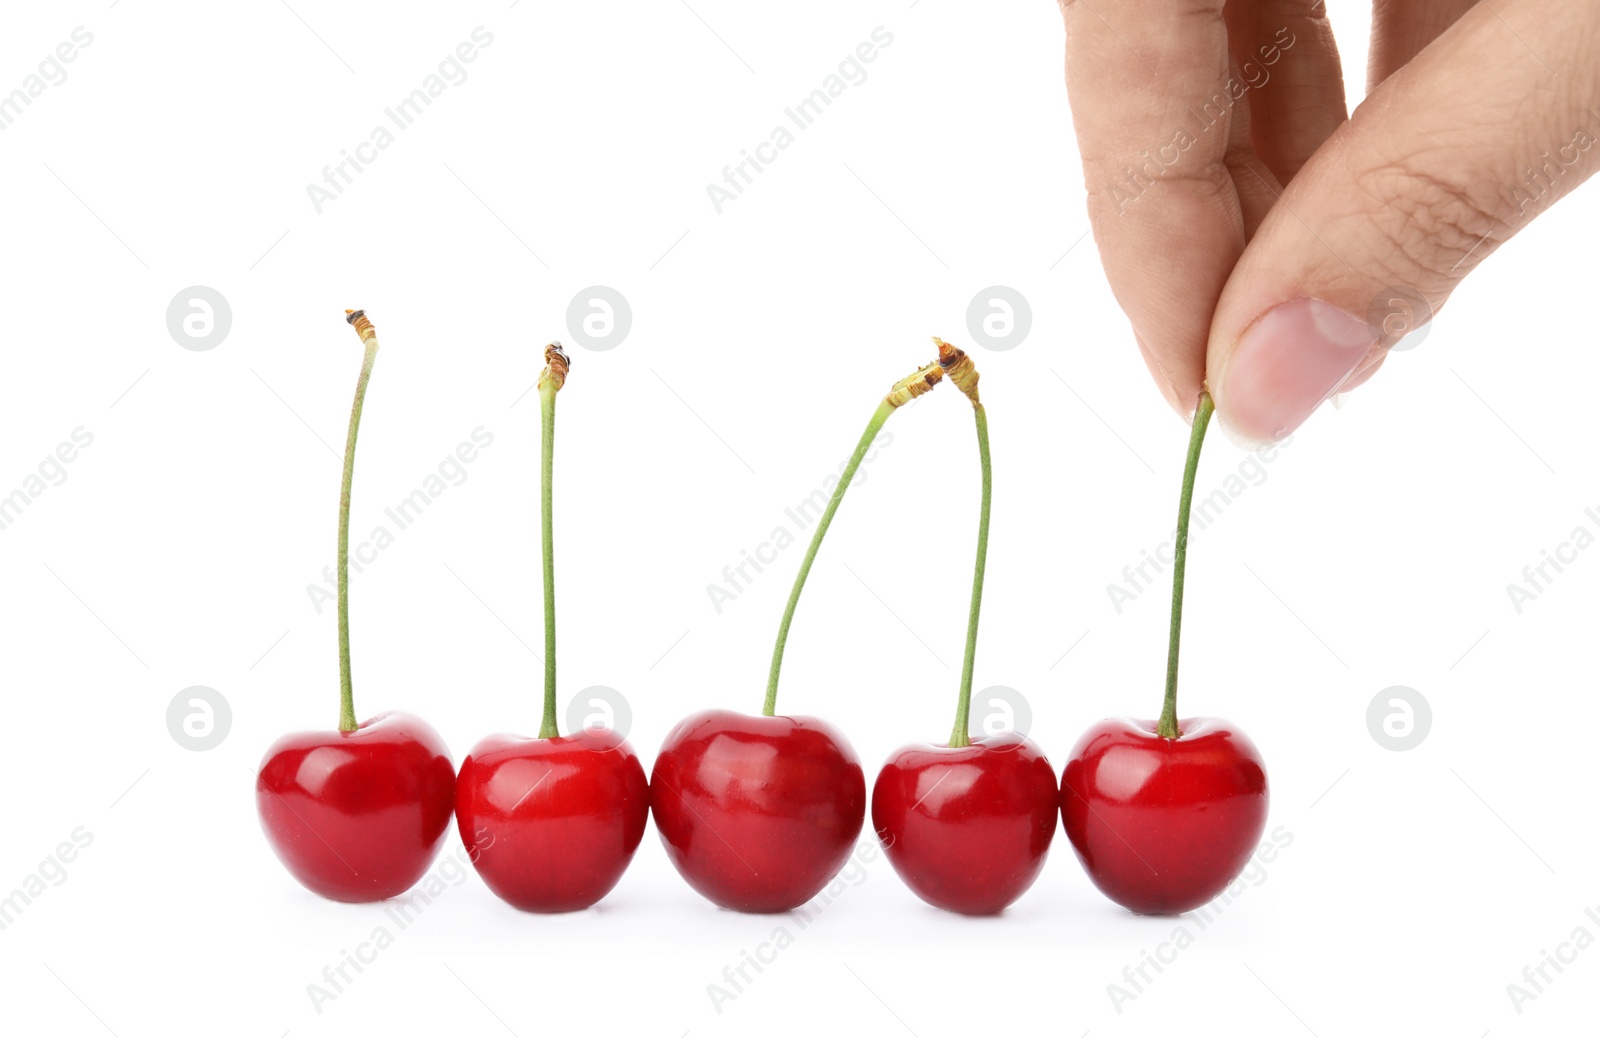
(1164, 825)
(358, 816)
(967, 828)
(551, 824)
(757, 813)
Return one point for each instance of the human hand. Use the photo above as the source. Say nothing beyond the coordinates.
(1260, 240)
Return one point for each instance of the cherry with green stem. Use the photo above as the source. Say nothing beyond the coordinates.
(551, 823)
(976, 844)
(758, 813)
(1165, 814)
(359, 813)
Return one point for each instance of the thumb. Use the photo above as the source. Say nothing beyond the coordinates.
(1448, 158)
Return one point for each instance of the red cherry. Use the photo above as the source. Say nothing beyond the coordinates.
(967, 828)
(551, 824)
(1164, 825)
(757, 813)
(357, 816)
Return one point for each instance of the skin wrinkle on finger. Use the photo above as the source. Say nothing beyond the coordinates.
(1425, 180)
(1462, 203)
(1410, 189)
(1440, 223)
(1411, 186)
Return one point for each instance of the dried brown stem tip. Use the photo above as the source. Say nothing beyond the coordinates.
(358, 320)
(556, 365)
(963, 373)
(914, 385)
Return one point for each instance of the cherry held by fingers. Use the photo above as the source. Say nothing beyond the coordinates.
(552, 822)
(757, 813)
(1165, 814)
(356, 814)
(1164, 825)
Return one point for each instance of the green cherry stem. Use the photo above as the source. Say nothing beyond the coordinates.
(369, 336)
(1167, 728)
(913, 385)
(958, 367)
(551, 380)
(958, 736)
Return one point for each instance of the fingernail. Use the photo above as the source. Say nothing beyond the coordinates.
(1294, 357)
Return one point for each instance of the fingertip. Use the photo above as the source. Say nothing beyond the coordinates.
(1285, 364)
(1222, 418)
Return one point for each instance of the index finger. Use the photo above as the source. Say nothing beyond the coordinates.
(1148, 83)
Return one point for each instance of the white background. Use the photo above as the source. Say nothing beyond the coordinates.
(178, 550)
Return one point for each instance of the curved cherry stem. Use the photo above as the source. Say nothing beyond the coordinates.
(1168, 726)
(959, 736)
(879, 416)
(903, 392)
(369, 336)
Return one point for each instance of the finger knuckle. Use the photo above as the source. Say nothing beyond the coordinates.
(1434, 222)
